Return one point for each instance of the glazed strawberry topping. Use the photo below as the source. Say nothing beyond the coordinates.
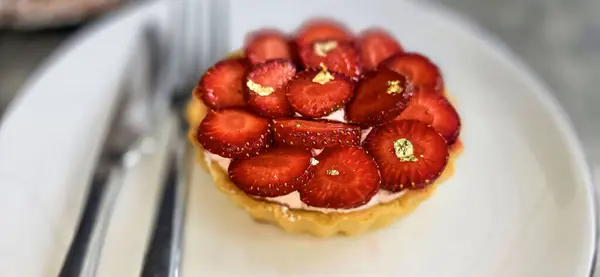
(267, 45)
(317, 93)
(264, 89)
(314, 134)
(433, 109)
(221, 85)
(263, 99)
(419, 70)
(337, 56)
(344, 178)
(234, 133)
(375, 46)
(379, 97)
(277, 172)
(322, 29)
(409, 153)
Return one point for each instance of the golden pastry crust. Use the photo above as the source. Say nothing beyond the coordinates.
(312, 222)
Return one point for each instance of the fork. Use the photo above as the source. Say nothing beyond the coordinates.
(163, 257)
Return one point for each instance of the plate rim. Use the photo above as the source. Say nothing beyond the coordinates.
(543, 93)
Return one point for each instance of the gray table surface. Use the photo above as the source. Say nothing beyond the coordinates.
(559, 39)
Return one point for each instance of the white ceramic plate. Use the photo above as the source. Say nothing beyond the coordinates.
(521, 202)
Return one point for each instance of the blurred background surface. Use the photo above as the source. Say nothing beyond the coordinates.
(559, 39)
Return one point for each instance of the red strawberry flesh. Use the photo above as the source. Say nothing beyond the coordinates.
(322, 29)
(264, 89)
(278, 171)
(314, 93)
(221, 85)
(267, 45)
(435, 110)
(409, 153)
(375, 46)
(234, 133)
(344, 178)
(378, 98)
(314, 134)
(419, 70)
(337, 56)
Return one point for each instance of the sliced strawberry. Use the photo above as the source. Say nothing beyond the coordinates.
(375, 46)
(337, 56)
(433, 109)
(322, 29)
(264, 89)
(419, 70)
(221, 85)
(379, 97)
(315, 134)
(278, 171)
(265, 45)
(409, 153)
(344, 178)
(234, 133)
(317, 93)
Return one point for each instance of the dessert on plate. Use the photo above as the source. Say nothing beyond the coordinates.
(324, 131)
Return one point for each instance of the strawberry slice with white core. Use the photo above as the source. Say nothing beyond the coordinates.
(322, 29)
(337, 56)
(409, 153)
(264, 89)
(419, 70)
(375, 46)
(234, 133)
(317, 93)
(265, 45)
(379, 97)
(221, 85)
(344, 178)
(279, 171)
(314, 133)
(433, 109)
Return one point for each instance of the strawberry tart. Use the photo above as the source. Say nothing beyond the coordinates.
(325, 132)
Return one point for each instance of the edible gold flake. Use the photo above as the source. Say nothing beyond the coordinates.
(322, 48)
(260, 90)
(314, 161)
(394, 87)
(332, 172)
(404, 150)
(324, 76)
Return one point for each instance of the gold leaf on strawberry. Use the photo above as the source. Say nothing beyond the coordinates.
(264, 89)
(337, 56)
(379, 97)
(317, 93)
(343, 178)
(409, 153)
(418, 69)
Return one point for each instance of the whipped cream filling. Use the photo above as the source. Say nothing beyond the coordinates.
(292, 200)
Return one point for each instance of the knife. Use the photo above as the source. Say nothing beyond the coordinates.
(125, 144)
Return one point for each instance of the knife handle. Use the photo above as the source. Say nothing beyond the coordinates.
(86, 247)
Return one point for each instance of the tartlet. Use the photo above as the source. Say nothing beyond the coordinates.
(349, 71)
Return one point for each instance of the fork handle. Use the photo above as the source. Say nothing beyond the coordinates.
(163, 256)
